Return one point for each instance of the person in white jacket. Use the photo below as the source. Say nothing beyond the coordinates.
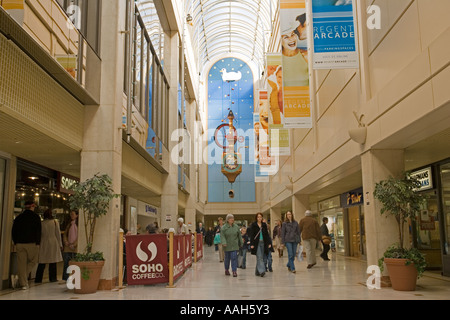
(50, 248)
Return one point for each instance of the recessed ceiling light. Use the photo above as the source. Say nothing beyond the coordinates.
(33, 178)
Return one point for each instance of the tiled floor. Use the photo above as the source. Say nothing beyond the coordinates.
(339, 279)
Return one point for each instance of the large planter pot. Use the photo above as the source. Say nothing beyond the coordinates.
(90, 275)
(403, 277)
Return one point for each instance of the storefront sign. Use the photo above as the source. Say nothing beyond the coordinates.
(352, 198)
(147, 259)
(331, 203)
(65, 183)
(425, 178)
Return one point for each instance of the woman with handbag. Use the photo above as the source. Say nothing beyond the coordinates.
(290, 237)
(259, 243)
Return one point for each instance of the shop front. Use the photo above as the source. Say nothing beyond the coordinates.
(352, 203)
(50, 189)
(431, 229)
(331, 209)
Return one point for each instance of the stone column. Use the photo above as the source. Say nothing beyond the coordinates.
(169, 197)
(300, 203)
(381, 231)
(102, 141)
(275, 215)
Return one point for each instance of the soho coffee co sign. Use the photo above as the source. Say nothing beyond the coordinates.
(65, 183)
(147, 259)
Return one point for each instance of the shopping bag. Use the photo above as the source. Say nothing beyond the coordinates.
(217, 239)
(300, 253)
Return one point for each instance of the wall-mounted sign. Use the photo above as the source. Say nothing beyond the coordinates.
(425, 178)
(352, 198)
(330, 203)
(65, 183)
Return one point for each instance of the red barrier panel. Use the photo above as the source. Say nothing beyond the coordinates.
(178, 256)
(187, 250)
(199, 249)
(147, 259)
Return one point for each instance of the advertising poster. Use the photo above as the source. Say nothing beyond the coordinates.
(334, 34)
(147, 259)
(296, 77)
(274, 87)
(279, 141)
(259, 175)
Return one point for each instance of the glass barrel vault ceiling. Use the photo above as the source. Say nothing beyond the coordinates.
(227, 27)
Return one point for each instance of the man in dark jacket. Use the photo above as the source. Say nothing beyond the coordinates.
(26, 235)
(325, 232)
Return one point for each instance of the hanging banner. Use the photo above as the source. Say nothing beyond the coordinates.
(334, 34)
(178, 256)
(279, 141)
(147, 259)
(259, 175)
(274, 85)
(294, 49)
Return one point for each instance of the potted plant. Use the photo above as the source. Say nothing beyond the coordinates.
(92, 197)
(400, 199)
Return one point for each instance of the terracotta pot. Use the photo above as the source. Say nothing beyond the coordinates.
(94, 270)
(403, 277)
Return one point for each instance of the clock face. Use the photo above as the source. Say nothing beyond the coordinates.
(231, 162)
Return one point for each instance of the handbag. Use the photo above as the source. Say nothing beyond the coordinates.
(326, 239)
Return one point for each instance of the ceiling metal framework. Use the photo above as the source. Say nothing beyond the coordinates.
(225, 27)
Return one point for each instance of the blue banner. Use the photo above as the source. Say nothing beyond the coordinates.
(334, 34)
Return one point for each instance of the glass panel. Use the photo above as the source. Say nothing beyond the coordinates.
(137, 67)
(445, 180)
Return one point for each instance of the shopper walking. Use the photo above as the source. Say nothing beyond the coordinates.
(217, 231)
(290, 237)
(277, 238)
(50, 248)
(26, 235)
(230, 237)
(325, 233)
(242, 259)
(209, 237)
(70, 239)
(310, 230)
(259, 243)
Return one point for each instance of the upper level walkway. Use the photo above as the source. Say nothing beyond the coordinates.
(342, 278)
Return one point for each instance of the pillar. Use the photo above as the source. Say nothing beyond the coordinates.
(300, 203)
(275, 215)
(169, 195)
(381, 231)
(102, 140)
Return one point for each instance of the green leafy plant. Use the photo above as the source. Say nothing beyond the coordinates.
(92, 197)
(400, 199)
